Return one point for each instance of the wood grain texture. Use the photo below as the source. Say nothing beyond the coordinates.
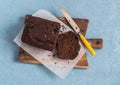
(27, 58)
(83, 63)
(96, 43)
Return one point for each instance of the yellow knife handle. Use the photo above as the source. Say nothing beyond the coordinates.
(88, 46)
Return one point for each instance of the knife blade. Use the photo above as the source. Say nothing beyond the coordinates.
(77, 30)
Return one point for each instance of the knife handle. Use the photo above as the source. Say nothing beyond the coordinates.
(88, 46)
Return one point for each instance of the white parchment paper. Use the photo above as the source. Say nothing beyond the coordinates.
(58, 66)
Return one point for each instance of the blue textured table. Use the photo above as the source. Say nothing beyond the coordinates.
(104, 16)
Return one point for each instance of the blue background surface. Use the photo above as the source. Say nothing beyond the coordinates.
(104, 16)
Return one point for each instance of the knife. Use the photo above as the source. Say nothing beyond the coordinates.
(77, 30)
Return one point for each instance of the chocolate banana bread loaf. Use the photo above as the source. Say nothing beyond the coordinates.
(40, 32)
(68, 45)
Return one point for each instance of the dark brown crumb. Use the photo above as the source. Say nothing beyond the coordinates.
(60, 31)
(49, 55)
(55, 63)
(54, 55)
(63, 27)
(68, 62)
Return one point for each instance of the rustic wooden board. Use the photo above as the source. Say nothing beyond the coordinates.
(25, 57)
(83, 63)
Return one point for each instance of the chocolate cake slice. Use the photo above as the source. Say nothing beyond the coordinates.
(68, 45)
(40, 32)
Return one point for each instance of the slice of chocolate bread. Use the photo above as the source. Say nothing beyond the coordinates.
(68, 45)
(40, 32)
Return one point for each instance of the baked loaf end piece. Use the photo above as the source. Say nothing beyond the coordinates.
(40, 32)
(68, 45)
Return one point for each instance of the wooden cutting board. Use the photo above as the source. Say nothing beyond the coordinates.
(83, 63)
